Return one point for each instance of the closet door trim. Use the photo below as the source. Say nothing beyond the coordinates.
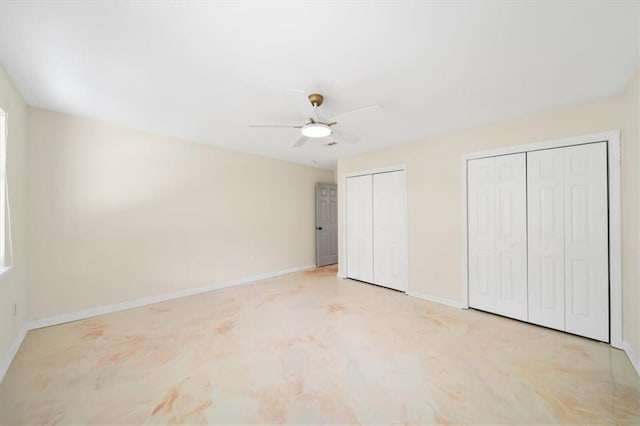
(615, 247)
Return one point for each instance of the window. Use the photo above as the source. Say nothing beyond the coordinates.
(4, 239)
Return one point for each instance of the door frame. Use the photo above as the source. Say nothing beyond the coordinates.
(342, 254)
(612, 138)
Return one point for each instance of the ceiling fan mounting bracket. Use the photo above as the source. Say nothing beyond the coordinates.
(316, 99)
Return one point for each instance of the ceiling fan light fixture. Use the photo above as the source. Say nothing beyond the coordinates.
(316, 130)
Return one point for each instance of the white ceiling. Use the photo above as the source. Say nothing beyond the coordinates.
(203, 71)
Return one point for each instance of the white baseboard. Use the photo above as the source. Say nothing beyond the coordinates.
(435, 299)
(7, 358)
(632, 354)
(12, 351)
(101, 310)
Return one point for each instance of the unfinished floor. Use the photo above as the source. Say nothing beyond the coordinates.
(311, 348)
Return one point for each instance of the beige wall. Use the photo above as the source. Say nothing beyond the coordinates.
(434, 188)
(117, 214)
(630, 215)
(13, 285)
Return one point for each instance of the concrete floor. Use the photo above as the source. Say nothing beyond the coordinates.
(311, 348)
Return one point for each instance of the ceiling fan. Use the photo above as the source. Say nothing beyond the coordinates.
(314, 128)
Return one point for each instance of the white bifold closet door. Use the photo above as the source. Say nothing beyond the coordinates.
(359, 207)
(377, 229)
(389, 230)
(568, 239)
(497, 233)
(545, 170)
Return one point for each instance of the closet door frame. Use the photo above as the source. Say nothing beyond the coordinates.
(615, 241)
(342, 211)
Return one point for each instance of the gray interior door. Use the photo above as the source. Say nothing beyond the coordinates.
(326, 224)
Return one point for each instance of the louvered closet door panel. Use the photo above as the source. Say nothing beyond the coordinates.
(481, 216)
(545, 199)
(389, 230)
(511, 235)
(586, 241)
(360, 228)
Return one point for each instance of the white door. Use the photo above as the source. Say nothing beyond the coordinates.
(586, 241)
(482, 234)
(545, 193)
(568, 239)
(359, 209)
(497, 235)
(390, 230)
(511, 235)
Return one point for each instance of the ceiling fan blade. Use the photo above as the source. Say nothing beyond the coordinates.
(345, 136)
(291, 126)
(301, 141)
(357, 112)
